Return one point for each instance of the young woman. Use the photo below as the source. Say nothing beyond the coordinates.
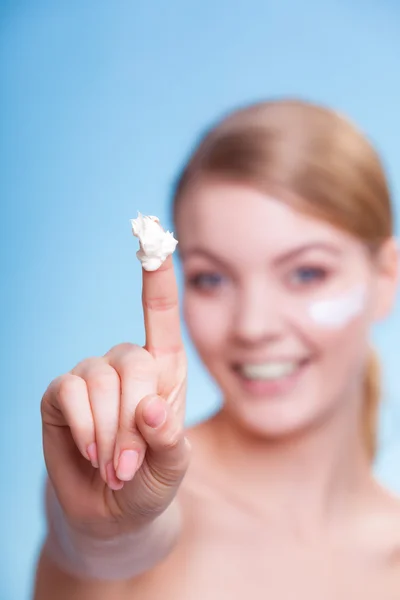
(285, 232)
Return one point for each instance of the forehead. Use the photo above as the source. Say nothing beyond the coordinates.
(239, 222)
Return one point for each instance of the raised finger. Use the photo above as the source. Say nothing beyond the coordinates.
(161, 310)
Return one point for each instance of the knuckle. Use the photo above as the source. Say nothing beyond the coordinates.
(68, 385)
(44, 407)
(119, 349)
(160, 303)
(128, 359)
(102, 379)
(172, 438)
(138, 360)
(86, 365)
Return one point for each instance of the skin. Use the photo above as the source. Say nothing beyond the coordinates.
(279, 499)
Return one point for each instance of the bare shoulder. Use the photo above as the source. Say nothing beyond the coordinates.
(384, 525)
(390, 506)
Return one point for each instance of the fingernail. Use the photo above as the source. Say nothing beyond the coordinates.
(155, 413)
(127, 465)
(112, 479)
(92, 454)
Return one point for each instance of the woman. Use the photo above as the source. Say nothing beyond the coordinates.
(286, 239)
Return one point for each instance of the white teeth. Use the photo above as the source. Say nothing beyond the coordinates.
(272, 370)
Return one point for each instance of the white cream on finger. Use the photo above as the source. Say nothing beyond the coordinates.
(155, 243)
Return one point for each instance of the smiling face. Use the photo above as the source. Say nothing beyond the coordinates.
(278, 304)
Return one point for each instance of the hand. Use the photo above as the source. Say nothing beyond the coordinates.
(113, 434)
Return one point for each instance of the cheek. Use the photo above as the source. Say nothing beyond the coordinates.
(336, 313)
(342, 356)
(342, 341)
(207, 323)
(338, 331)
(333, 319)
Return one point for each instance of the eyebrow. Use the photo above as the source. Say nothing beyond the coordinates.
(285, 257)
(295, 252)
(205, 253)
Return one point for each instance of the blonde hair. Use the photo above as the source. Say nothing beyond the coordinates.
(315, 160)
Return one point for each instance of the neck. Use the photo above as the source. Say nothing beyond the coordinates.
(311, 476)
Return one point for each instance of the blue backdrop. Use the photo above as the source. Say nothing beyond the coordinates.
(100, 102)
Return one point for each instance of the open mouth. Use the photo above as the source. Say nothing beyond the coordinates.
(270, 377)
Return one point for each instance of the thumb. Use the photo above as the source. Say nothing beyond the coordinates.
(167, 457)
(168, 450)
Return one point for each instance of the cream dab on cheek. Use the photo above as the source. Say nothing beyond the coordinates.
(337, 312)
(155, 244)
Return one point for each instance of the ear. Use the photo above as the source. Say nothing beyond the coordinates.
(387, 273)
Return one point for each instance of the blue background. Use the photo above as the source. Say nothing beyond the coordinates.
(100, 102)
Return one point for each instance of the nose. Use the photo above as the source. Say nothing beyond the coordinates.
(259, 315)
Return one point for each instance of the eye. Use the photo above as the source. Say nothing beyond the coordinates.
(307, 275)
(205, 281)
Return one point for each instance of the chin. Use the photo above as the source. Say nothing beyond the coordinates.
(275, 418)
(272, 426)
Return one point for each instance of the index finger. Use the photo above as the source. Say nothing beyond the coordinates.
(161, 310)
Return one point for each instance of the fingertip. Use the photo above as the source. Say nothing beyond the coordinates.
(128, 464)
(167, 264)
(92, 454)
(112, 480)
(154, 412)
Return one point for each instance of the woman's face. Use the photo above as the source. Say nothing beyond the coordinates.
(278, 305)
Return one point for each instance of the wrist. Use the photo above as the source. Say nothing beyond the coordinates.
(105, 555)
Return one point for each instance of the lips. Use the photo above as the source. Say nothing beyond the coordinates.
(270, 377)
(268, 370)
